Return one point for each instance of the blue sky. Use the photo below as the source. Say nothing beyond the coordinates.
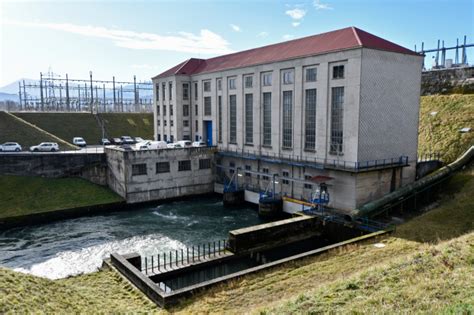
(123, 38)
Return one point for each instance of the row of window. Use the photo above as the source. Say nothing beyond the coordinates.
(288, 78)
(164, 167)
(285, 174)
(336, 132)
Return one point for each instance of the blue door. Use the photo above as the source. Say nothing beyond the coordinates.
(208, 133)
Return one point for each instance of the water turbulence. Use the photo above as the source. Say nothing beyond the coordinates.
(76, 246)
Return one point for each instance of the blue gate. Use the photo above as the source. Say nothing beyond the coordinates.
(208, 132)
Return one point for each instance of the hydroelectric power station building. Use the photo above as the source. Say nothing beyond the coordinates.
(339, 107)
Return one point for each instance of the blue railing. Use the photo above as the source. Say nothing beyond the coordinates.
(318, 163)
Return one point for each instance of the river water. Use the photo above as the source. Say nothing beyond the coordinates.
(75, 246)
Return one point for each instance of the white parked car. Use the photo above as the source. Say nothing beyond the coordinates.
(10, 147)
(185, 143)
(174, 145)
(45, 147)
(105, 141)
(80, 142)
(198, 144)
(151, 145)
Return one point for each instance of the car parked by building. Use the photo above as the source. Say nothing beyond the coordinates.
(127, 140)
(79, 141)
(198, 144)
(45, 147)
(116, 141)
(10, 147)
(185, 143)
(138, 139)
(174, 145)
(105, 141)
(151, 145)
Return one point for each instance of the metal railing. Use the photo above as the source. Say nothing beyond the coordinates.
(183, 257)
(319, 163)
(430, 156)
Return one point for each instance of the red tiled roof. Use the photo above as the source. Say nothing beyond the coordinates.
(346, 38)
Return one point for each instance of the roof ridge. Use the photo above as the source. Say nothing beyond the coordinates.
(279, 43)
(356, 34)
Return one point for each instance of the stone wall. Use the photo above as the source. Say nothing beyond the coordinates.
(447, 81)
(90, 166)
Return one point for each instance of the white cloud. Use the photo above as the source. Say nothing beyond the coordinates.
(235, 27)
(288, 36)
(262, 34)
(206, 42)
(295, 24)
(321, 6)
(296, 14)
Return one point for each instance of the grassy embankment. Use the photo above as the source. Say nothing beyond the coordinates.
(440, 132)
(21, 195)
(70, 125)
(12, 129)
(425, 266)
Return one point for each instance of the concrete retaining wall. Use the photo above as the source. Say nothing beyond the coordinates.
(90, 166)
(152, 185)
(265, 236)
(447, 81)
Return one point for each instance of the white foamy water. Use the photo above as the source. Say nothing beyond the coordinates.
(89, 259)
(76, 246)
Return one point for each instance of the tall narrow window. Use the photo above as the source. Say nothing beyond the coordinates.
(196, 110)
(171, 110)
(287, 119)
(288, 77)
(311, 74)
(195, 90)
(158, 110)
(207, 86)
(185, 110)
(267, 118)
(164, 110)
(207, 106)
(185, 91)
(219, 100)
(170, 93)
(233, 118)
(196, 123)
(219, 85)
(338, 72)
(157, 88)
(248, 118)
(310, 120)
(163, 90)
(232, 84)
(337, 103)
(248, 81)
(267, 79)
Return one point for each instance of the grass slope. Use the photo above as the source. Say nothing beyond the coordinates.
(100, 292)
(12, 129)
(436, 279)
(21, 195)
(70, 125)
(440, 133)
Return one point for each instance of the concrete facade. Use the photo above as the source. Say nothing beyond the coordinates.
(137, 177)
(379, 122)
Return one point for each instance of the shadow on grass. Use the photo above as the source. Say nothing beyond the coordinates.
(451, 215)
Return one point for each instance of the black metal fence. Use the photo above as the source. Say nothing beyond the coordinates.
(182, 257)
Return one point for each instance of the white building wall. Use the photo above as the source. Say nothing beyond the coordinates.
(389, 107)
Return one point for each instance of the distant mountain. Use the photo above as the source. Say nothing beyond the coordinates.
(12, 88)
(8, 97)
